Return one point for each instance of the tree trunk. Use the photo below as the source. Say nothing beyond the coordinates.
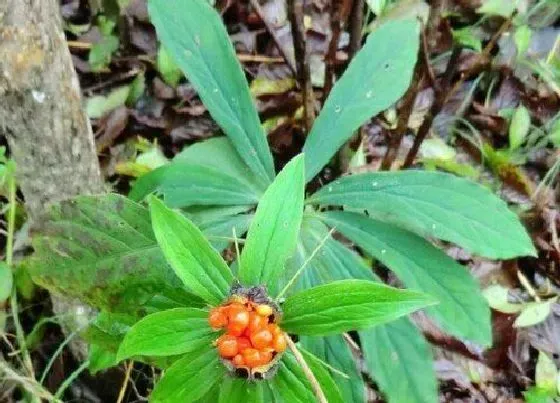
(41, 113)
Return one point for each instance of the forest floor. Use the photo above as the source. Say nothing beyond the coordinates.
(489, 73)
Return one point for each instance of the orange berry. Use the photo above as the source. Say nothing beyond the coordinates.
(235, 330)
(279, 343)
(261, 339)
(238, 316)
(243, 343)
(238, 319)
(238, 360)
(274, 329)
(217, 319)
(266, 357)
(264, 310)
(227, 346)
(252, 357)
(256, 322)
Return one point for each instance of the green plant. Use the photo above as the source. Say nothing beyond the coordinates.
(103, 249)
(185, 334)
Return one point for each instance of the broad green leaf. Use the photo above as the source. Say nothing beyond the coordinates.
(272, 236)
(400, 361)
(189, 378)
(328, 386)
(184, 184)
(99, 105)
(519, 127)
(434, 204)
(546, 373)
(6, 281)
(290, 382)
(193, 33)
(375, 79)
(195, 262)
(425, 268)
(359, 304)
(101, 53)
(172, 332)
(498, 299)
(102, 250)
(466, 37)
(109, 329)
(235, 390)
(504, 8)
(168, 68)
(534, 313)
(219, 153)
(336, 352)
(522, 38)
(100, 358)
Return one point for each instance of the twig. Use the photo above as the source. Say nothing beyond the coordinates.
(244, 58)
(79, 45)
(439, 101)
(339, 15)
(443, 93)
(405, 111)
(28, 384)
(272, 31)
(527, 285)
(355, 27)
(425, 54)
(303, 71)
(307, 371)
(125, 381)
(115, 79)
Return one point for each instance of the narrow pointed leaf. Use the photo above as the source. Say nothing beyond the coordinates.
(332, 261)
(335, 351)
(272, 236)
(185, 184)
(193, 33)
(435, 204)
(290, 382)
(236, 390)
(377, 77)
(172, 332)
(195, 262)
(347, 305)
(336, 262)
(189, 378)
(328, 385)
(399, 359)
(422, 267)
(220, 153)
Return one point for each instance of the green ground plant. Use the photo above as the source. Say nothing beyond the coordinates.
(136, 267)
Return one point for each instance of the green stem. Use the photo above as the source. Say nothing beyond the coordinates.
(9, 261)
(304, 265)
(11, 217)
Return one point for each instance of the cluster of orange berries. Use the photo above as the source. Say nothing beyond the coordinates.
(252, 339)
